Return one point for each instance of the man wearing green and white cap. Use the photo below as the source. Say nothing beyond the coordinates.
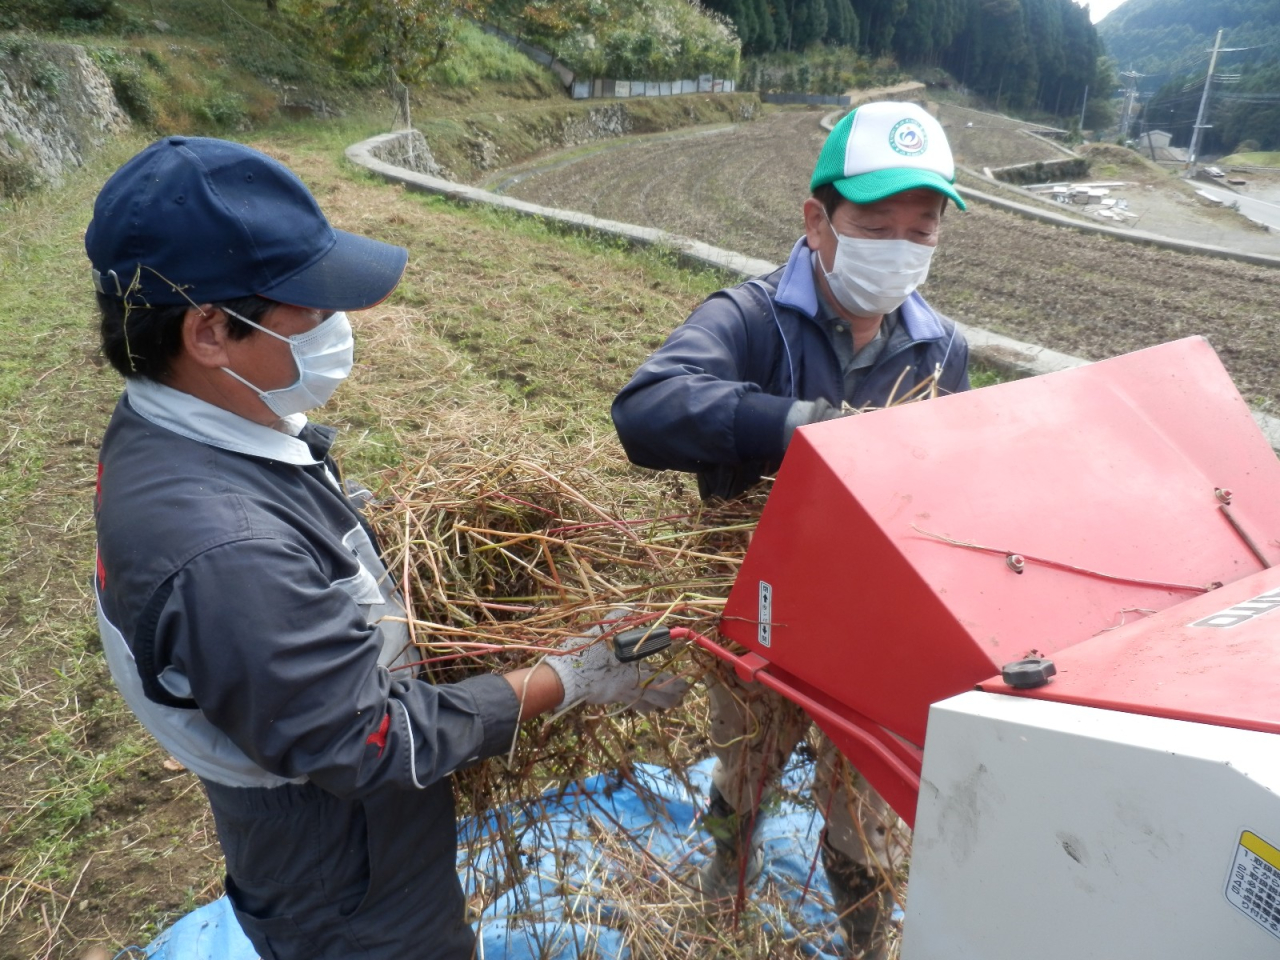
(839, 327)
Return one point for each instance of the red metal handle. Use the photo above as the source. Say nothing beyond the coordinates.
(888, 764)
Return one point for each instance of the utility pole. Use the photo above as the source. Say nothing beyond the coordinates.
(1194, 152)
(1083, 105)
(1130, 92)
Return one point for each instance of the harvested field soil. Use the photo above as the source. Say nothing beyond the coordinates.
(1080, 293)
(981, 139)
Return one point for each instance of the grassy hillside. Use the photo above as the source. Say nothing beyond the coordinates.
(230, 68)
(223, 67)
(1259, 159)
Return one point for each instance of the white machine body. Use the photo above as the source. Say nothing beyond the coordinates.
(1055, 831)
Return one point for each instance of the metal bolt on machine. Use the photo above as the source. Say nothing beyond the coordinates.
(1041, 618)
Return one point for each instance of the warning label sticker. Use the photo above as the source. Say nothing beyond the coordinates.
(1254, 885)
(764, 632)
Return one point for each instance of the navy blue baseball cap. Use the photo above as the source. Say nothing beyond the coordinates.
(198, 220)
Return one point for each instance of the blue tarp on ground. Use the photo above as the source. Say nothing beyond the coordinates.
(564, 847)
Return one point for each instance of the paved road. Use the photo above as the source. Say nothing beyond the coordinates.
(1264, 211)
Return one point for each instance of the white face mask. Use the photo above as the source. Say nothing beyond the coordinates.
(323, 356)
(873, 277)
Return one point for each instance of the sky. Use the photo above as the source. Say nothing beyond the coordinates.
(1099, 8)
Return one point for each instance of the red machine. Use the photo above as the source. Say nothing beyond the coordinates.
(1115, 522)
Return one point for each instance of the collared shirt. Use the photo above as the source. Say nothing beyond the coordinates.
(854, 365)
(198, 420)
(252, 627)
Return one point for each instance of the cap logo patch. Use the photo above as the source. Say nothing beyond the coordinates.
(908, 138)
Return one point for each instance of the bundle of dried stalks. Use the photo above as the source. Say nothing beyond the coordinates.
(502, 558)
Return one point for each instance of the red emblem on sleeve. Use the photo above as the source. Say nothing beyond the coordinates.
(379, 737)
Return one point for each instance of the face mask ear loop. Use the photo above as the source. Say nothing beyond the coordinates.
(256, 326)
(227, 370)
(231, 373)
(832, 227)
(791, 368)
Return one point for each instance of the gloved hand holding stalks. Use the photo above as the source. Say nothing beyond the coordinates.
(591, 673)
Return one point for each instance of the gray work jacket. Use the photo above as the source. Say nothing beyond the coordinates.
(242, 605)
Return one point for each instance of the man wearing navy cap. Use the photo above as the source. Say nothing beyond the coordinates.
(245, 613)
(839, 327)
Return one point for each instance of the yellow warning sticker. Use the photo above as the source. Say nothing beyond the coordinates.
(1254, 885)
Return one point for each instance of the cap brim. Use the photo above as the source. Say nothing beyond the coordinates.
(879, 184)
(356, 272)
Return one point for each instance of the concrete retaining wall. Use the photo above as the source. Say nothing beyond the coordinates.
(808, 99)
(408, 150)
(585, 88)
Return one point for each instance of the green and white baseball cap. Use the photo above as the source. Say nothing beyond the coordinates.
(885, 148)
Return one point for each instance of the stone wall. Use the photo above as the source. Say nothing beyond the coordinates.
(1043, 171)
(56, 107)
(407, 149)
(597, 123)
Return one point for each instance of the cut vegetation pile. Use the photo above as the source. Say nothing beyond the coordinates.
(505, 557)
(508, 546)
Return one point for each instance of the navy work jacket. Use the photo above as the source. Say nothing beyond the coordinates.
(714, 398)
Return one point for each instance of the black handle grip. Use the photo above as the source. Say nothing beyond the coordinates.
(640, 642)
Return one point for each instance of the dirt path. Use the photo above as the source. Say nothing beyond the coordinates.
(883, 93)
(1079, 293)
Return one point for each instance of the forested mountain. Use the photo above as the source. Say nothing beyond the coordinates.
(1154, 36)
(1022, 53)
(1168, 41)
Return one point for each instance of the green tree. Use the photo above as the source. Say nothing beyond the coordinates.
(766, 33)
(879, 19)
(842, 24)
(809, 23)
(1100, 112)
(915, 36)
(782, 24)
(401, 39)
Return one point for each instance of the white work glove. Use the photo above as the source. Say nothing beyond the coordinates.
(594, 675)
(803, 412)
